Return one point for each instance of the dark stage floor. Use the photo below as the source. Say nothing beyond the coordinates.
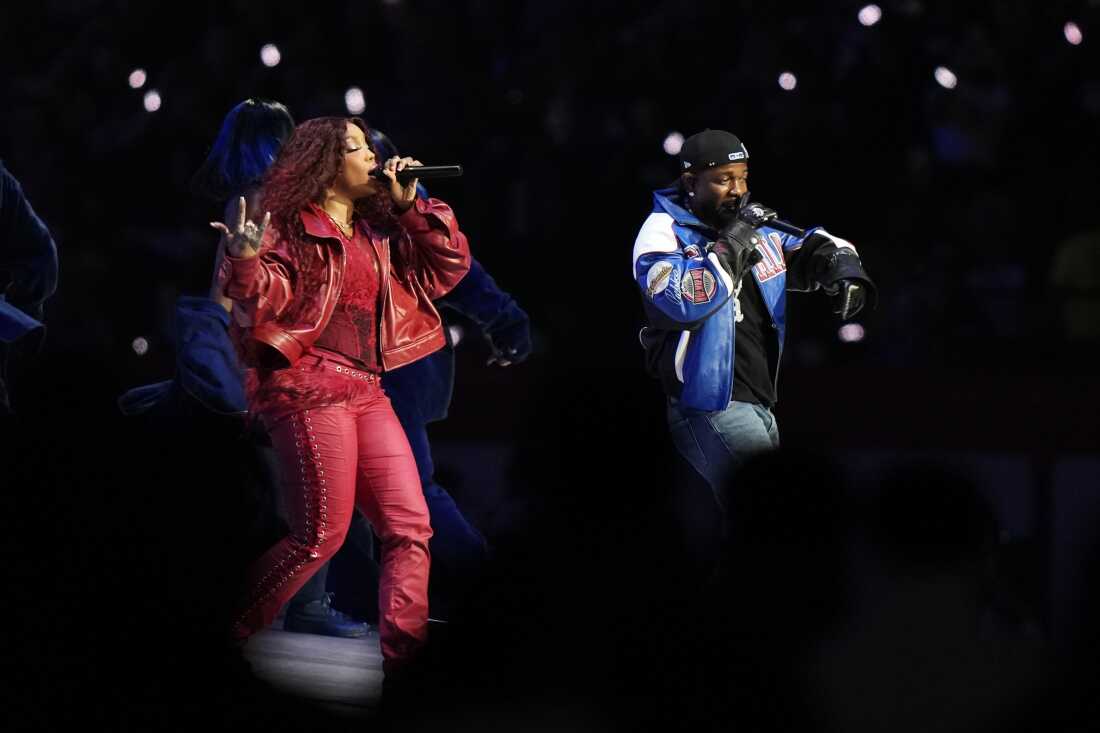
(341, 675)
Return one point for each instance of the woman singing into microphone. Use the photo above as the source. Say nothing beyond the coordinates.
(333, 287)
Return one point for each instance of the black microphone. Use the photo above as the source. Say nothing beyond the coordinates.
(423, 172)
(785, 226)
(759, 216)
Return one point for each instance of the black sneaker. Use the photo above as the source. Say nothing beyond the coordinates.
(319, 617)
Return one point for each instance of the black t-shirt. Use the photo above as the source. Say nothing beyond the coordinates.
(755, 348)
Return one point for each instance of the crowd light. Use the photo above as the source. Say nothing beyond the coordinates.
(1073, 33)
(152, 100)
(354, 100)
(673, 142)
(137, 78)
(850, 333)
(869, 15)
(140, 346)
(788, 81)
(270, 55)
(945, 77)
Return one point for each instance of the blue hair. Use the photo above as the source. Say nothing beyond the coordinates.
(247, 144)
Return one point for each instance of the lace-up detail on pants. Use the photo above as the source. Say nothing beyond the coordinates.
(332, 460)
(304, 542)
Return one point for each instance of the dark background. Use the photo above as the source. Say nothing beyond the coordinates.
(961, 201)
(973, 208)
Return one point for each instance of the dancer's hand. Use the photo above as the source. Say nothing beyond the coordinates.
(244, 241)
(403, 196)
(510, 341)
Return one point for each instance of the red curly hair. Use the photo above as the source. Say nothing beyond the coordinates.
(308, 164)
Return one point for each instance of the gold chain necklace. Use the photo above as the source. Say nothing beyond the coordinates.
(340, 227)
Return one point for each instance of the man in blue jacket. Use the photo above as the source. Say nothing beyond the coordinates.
(714, 270)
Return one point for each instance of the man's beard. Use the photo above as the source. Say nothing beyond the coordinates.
(729, 208)
(718, 215)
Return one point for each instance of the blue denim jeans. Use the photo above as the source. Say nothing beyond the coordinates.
(716, 444)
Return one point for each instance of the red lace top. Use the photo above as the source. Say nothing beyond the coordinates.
(350, 338)
(353, 328)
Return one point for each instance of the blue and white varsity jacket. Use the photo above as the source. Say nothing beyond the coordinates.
(691, 301)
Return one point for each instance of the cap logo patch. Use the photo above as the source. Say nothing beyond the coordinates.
(736, 156)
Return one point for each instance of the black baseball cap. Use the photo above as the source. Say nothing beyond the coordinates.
(709, 148)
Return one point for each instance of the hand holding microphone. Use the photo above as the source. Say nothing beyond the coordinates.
(736, 243)
(404, 173)
(757, 215)
(423, 172)
(403, 193)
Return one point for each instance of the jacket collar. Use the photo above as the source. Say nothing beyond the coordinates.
(667, 200)
(318, 224)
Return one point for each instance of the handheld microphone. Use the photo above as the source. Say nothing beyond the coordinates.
(758, 215)
(785, 226)
(423, 172)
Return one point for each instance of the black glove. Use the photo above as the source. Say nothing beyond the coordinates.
(510, 338)
(756, 215)
(849, 297)
(737, 240)
(842, 277)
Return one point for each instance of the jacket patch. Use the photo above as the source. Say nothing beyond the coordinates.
(773, 263)
(698, 285)
(657, 279)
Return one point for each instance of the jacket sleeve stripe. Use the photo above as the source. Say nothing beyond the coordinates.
(655, 237)
(726, 279)
(681, 353)
(835, 240)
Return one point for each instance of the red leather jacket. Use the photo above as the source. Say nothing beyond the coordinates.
(284, 296)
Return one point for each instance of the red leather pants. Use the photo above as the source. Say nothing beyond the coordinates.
(333, 459)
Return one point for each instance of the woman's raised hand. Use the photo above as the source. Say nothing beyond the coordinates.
(244, 241)
(403, 196)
